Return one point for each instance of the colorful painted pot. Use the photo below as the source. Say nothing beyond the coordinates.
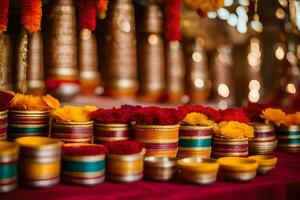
(8, 166)
(125, 168)
(83, 164)
(229, 147)
(195, 141)
(238, 169)
(28, 123)
(160, 168)
(266, 163)
(3, 125)
(289, 138)
(110, 132)
(72, 132)
(264, 141)
(39, 161)
(198, 170)
(159, 140)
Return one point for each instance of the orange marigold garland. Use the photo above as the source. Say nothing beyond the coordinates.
(87, 14)
(102, 7)
(31, 15)
(4, 5)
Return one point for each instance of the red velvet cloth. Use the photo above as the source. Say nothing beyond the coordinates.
(282, 183)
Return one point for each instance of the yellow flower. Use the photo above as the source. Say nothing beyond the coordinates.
(291, 119)
(273, 115)
(73, 113)
(28, 102)
(234, 129)
(197, 119)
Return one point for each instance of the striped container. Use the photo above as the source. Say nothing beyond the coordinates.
(110, 132)
(72, 132)
(159, 140)
(39, 161)
(83, 164)
(264, 141)
(125, 168)
(28, 123)
(195, 141)
(8, 166)
(289, 138)
(225, 147)
(3, 125)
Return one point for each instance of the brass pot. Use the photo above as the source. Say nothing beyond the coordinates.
(61, 51)
(175, 72)
(5, 62)
(88, 61)
(121, 60)
(33, 75)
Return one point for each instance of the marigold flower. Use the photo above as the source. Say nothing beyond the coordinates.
(28, 102)
(31, 15)
(197, 119)
(234, 130)
(73, 113)
(273, 115)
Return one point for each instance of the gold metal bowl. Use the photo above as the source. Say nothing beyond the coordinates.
(266, 163)
(160, 168)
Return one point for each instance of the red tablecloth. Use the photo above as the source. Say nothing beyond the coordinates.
(282, 183)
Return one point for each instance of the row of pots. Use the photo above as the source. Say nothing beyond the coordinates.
(159, 140)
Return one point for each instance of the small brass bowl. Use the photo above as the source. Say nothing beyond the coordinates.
(266, 163)
(160, 168)
(238, 169)
(199, 170)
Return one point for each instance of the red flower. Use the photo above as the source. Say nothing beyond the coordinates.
(153, 115)
(209, 111)
(254, 110)
(172, 20)
(31, 15)
(114, 115)
(124, 147)
(5, 100)
(4, 5)
(87, 14)
(234, 114)
(83, 150)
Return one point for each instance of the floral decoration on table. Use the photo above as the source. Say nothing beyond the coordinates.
(279, 117)
(30, 102)
(6, 98)
(73, 113)
(123, 147)
(234, 129)
(153, 115)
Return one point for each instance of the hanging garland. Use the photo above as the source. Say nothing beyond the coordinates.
(31, 15)
(172, 20)
(102, 7)
(4, 5)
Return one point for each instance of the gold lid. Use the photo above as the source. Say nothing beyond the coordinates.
(259, 126)
(8, 148)
(199, 164)
(35, 142)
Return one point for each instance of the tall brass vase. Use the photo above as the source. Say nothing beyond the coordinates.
(197, 76)
(5, 62)
(88, 61)
(175, 72)
(33, 74)
(61, 51)
(121, 60)
(222, 76)
(151, 55)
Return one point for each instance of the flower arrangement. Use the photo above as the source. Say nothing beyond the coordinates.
(171, 9)
(87, 14)
(102, 7)
(121, 115)
(31, 15)
(4, 5)
(30, 102)
(208, 111)
(197, 119)
(5, 100)
(254, 110)
(234, 130)
(279, 117)
(73, 113)
(153, 115)
(234, 114)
